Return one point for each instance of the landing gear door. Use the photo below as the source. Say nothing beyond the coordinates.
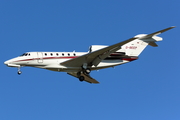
(40, 57)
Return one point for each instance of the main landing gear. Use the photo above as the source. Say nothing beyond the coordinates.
(19, 71)
(85, 72)
(81, 78)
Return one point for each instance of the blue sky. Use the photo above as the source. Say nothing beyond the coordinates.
(146, 89)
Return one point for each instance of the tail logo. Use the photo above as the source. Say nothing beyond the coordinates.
(131, 47)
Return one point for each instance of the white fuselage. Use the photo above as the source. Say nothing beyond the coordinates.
(53, 60)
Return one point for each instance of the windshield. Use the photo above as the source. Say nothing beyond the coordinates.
(25, 54)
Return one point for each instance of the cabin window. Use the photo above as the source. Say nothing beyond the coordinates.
(45, 54)
(74, 54)
(29, 54)
(57, 54)
(62, 54)
(68, 54)
(51, 54)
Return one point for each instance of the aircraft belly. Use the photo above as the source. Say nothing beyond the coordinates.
(63, 69)
(109, 63)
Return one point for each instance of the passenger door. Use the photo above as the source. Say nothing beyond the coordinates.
(40, 57)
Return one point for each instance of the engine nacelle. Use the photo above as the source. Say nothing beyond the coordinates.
(93, 48)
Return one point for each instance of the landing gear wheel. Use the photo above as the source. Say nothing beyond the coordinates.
(81, 78)
(87, 71)
(79, 74)
(19, 72)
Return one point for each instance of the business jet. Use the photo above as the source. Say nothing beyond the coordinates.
(80, 64)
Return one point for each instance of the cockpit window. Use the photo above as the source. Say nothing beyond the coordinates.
(25, 54)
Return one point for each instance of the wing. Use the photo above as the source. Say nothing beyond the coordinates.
(157, 33)
(87, 78)
(95, 57)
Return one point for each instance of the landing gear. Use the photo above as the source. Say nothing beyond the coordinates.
(87, 71)
(19, 71)
(85, 68)
(84, 72)
(81, 78)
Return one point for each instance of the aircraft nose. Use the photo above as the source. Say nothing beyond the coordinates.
(6, 62)
(10, 63)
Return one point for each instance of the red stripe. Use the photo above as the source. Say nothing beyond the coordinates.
(24, 60)
(60, 57)
(70, 57)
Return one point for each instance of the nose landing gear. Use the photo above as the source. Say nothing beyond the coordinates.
(19, 71)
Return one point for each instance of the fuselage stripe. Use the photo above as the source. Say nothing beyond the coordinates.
(48, 58)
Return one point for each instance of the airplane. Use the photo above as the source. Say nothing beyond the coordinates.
(80, 64)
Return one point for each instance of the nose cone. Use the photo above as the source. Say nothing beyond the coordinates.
(10, 63)
(6, 62)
